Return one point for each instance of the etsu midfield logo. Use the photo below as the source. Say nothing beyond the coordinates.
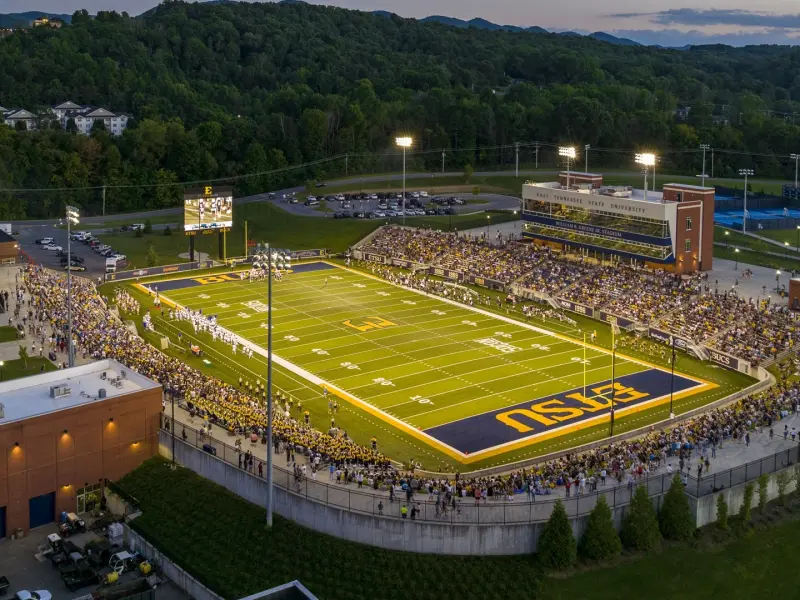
(556, 410)
(215, 279)
(370, 323)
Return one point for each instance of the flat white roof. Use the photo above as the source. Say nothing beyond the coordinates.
(30, 396)
(689, 186)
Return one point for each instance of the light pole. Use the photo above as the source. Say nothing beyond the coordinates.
(586, 156)
(778, 281)
(72, 219)
(567, 152)
(613, 378)
(736, 253)
(646, 160)
(1, 369)
(727, 233)
(786, 246)
(269, 385)
(404, 143)
(488, 222)
(795, 158)
(798, 238)
(747, 173)
(443, 155)
(704, 147)
(672, 378)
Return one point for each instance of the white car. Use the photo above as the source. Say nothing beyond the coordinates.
(37, 595)
(380, 214)
(373, 196)
(419, 212)
(415, 194)
(340, 197)
(53, 247)
(423, 194)
(137, 226)
(312, 198)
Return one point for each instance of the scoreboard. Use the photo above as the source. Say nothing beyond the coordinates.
(207, 209)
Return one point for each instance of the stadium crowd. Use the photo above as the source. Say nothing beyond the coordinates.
(99, 334)
(240, 410)
(763, 333)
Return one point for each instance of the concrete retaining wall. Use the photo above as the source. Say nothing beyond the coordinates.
(706, 506)
(388, 532)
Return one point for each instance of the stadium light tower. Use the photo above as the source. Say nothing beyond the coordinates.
(647, 160)
(404, 143)
(796, 159)
(72, 219)
(567, 152)
(747, 173)
(704, 147)
(586, 157)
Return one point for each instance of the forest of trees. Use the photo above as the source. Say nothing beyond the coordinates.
(219, 90)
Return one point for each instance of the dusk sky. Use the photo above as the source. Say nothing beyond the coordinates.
(649, 21)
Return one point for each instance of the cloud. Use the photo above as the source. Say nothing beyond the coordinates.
(675, 38)
(703, 18)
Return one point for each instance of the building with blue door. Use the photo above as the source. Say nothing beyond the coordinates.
(63, 433)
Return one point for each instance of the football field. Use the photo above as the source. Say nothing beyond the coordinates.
(469, 382)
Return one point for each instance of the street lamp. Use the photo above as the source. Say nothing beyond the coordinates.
(795, 158)
(72, 219)
(704, 147)
(404, 143)
(586, 156)
(488, 222)
(647, 160)
(736, 253)
(1, 369)
(747, 173)
(727, 233)
(567, 152)
(798, 238)
(778, 281)
(786, 245)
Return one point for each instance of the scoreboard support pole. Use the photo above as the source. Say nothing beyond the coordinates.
(220, 248)
(191, 248)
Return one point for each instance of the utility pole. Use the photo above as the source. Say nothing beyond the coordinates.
(516, 150)
(586, 157)
(537, 154)
(443, 155)
(345, 164)
(704, 147)
(747, 173)
(796, 158)
(712, 163)
(104, 201)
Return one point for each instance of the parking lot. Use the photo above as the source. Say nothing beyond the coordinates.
(94, 263)
(26, 569)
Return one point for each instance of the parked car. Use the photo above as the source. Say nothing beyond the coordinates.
(44, 241)
(430, 211)
(53, 247)
(37, 595)
(379, 214)
(321, 184)
(293, 199)
(310, 202)
(423, 194)
(73, 266)
(137, 226)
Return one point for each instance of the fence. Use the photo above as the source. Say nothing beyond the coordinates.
(493, 511)
(711, 484)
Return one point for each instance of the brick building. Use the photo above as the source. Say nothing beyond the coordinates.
(64, 432)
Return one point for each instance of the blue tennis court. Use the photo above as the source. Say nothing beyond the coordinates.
(734, 218)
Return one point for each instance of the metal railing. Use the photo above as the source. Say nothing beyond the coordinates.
(712, 483)
(496, 510)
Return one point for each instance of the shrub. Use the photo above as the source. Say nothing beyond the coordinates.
(722, 512)
(148, 226)
(138, 233)
(763, 482)
(23, 355)
(167, 230)
(600, 542)
(557, 548)
(468, 171)
(747, 504)
(640, 528)
(783, 480)
(152, 256)
(675, 520)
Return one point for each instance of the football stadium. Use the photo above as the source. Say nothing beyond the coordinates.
(464, 380)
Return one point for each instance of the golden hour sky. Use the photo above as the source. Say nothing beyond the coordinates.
(735, 22)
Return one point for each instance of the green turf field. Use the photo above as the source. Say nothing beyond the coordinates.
(468, 384)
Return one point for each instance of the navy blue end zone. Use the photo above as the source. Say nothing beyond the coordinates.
(559, 411)
(233, 276)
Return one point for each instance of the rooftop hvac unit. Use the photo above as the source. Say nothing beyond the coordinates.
(101, 393)
(59, 391)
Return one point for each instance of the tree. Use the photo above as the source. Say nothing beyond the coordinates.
(722, 512)
(71, 126)
(600, 541)
(782, 481)
(557, 543)
(23, 355)
(468, 171)
(763, 482)
(148, 226)
(675, 519)
(476, 191)
(167, 230)
(139, 232)
(640, 527)
(152, 256)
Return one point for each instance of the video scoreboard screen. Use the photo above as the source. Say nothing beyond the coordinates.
(207, 209)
